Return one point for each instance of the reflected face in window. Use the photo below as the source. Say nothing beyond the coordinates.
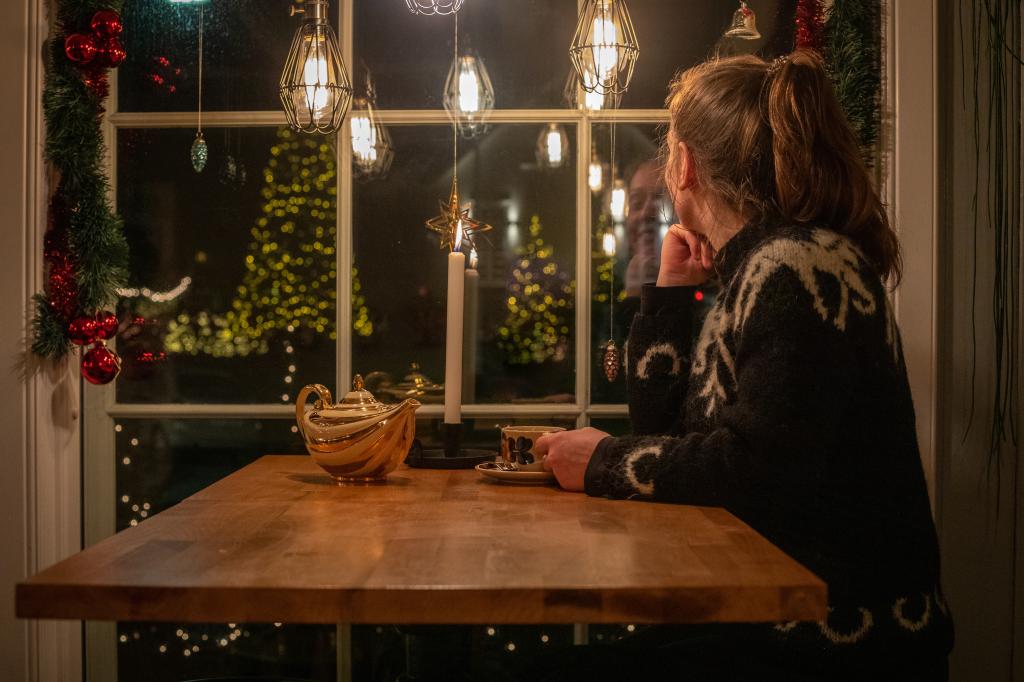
(646, 208)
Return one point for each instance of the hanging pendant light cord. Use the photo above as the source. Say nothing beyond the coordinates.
(611, 285)
(458, 92)
(199, 121)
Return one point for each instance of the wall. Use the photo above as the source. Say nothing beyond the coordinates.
(40, 487)
(980, 511)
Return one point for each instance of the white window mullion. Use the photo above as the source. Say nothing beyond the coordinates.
(343, 216)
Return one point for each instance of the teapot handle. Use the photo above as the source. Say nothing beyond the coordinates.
(323, 399)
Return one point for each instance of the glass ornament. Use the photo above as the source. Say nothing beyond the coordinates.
(744, 24)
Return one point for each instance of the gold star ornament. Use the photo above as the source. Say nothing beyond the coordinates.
(454, 224)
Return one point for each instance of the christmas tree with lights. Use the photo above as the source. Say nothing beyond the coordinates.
(289, 280)
(539, 303)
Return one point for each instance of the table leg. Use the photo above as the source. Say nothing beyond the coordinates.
(580, 634)
(344, 652)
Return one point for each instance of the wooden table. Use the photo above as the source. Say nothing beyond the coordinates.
(278, 541)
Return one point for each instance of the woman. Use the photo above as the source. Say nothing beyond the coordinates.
(792, 410)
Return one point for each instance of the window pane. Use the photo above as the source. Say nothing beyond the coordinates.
(484, 433)
(637, 212)
(232, 270)
(159, 463)
(245, 43)
(524, 45)
(524, 314)
(675, 35)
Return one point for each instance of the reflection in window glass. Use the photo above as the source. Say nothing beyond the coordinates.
(635, 212)
(523, 43)
(232, 272)
(159, 463)
(523, 317)
(245, 43)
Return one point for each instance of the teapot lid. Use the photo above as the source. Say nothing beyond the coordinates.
(357, 403)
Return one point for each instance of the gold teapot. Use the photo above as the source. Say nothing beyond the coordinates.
(359, 440)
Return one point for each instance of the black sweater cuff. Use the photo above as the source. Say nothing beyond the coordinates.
(655, 300)
(594, 478)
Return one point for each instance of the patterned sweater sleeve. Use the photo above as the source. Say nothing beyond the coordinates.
(780, 396)
(658, 362)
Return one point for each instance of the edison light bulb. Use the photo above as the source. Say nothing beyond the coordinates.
(554, 146)
(314, 73)
(364, 138)
(595, 176)
(608, 243)
(469, 89)
(606, 56)
(617, 204)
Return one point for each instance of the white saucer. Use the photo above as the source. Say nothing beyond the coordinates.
(519, 477)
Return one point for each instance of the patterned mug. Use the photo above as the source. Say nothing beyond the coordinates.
(517, 444)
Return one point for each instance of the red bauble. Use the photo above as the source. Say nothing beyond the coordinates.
(106, 324)
(106, 23)
(111, 53)
(80, 48)
(100, 365)
(83, 330)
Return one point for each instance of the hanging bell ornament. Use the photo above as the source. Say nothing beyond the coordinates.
(199, 153)
(612, 360)
(744, 24)
(100, 365)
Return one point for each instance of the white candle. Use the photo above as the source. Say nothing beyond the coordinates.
(453, 336)
(472, 312)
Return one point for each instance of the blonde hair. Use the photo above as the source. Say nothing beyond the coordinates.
(770, 140)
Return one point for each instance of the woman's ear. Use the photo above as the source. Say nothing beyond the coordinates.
(686, 175)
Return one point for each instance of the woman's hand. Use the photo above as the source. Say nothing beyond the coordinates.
(567, 454)
(686, 258)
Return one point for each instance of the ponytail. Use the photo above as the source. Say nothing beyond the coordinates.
(771, 141)
(820, 177)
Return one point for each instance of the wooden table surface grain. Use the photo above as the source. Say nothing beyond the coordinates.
(278, 541)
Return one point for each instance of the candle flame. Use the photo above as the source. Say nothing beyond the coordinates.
(472, 259)
(457, 242)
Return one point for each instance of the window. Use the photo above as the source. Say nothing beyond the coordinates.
(237, 272)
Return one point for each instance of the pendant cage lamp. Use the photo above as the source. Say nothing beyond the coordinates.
(604, 48)
(315, 88)
(744, 24)
(372, 150)
(553, 147)
(469, 94)
(433, 6)
(575, 97)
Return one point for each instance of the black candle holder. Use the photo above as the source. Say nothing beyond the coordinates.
(451, 454)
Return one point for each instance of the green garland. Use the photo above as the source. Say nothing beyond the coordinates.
(853, 47)
(83, 227)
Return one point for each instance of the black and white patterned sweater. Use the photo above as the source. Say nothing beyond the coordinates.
(793, 411)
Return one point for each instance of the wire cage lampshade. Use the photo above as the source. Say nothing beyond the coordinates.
(604, 48)
(553, 147)
(433, 6)
(315, 88)
(576, 97)
(469, 94)
(372, 151)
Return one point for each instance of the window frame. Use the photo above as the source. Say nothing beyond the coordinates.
(101, 409)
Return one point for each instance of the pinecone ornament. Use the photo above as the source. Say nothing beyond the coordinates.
(612, 360)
